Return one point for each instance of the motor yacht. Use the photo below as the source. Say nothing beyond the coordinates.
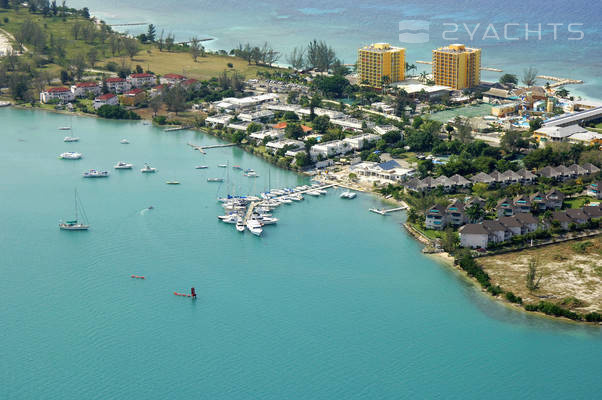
(95, 174)
(70, 155)
(123, 165)
(148, 169)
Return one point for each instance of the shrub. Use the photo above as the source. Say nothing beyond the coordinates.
(230, 65)
(160, 120)
(116, 112)
(468, 264)
(512, 298)
(552, 309)
(593, 317)
(112, 66)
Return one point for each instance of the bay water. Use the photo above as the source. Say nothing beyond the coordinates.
(333, 302)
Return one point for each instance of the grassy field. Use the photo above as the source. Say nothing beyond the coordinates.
(164, 62)
(572, 274)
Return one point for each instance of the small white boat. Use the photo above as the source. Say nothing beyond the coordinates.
(64, 128)
(254, 227)
(222, 166)
(123, 165)
(201, 167)
(348, 195)
(321, 191)
(173, 182)
(124, 141)
(70, 139)
(229, 219)
(296, 197)
(95, 174)
(215, 179)
(277, 192)
(148, 169)
(252, 174)
(70, 155)
(313, 193)
(285, 200)
(240, 225)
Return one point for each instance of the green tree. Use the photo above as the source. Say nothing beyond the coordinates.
(302, 159)
(475, 213)
(293, 131)
(529, 76)
(532, 279)
(535, 124)
(151, 33)
(253, 127)
(509, 79)
(196, 49)
(321, 123)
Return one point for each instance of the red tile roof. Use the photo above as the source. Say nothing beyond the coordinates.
(134, 92)
(115, 80)
(141, 75)
(86, 84)
(174, 76)
(283, 125)
(189, 82)
(58, 90)
(106, 96)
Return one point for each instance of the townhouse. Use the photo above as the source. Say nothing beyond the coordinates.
(82, 89)
(133, 97)
(62, 94)
(141, 80)
(106, 99)
(117, 85)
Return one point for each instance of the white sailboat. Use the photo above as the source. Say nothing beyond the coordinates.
(75, 224)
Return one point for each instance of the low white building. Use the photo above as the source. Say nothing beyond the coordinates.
(117, 85)
(172, 79)
(239, 126)
(218, 120)
(350, 123)
(388, 170)
(474, 236)
(382, 107)
(233, 103)
(106, 99)
(82, 89)
(360, 141)
(382, 129)
(141, 80)
(273, 134)
(62, 94)
(256, 116)
(329, 149)
(284, 143)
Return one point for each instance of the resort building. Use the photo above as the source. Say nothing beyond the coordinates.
(117, 85)
(329, 149)
(172, 79)
(106, 99)
(82, 89)
(380, 64)
(457, 66)
(594, 189)
(388, 171)
(141, 80)
(61, 94)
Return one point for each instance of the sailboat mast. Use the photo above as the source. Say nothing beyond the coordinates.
(75, 201)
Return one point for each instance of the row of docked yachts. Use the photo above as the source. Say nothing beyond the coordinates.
(238, 210)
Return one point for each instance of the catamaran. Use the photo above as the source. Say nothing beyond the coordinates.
(75, 224)
(348, 195)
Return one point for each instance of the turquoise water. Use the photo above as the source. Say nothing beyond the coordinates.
(348, 25)
(332, 303)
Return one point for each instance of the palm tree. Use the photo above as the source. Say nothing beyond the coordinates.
(384, 81)
(475, 213)
(424, 76)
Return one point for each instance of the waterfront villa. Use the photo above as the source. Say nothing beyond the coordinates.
(141, 80)
(117, 85)
(329, 149)
(82, 89)
(284, 144)
(61, 94)
(435, 217)
(106, 99)
(388, 170)
(218, 120)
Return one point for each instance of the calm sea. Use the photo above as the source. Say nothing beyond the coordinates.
(497, 27)
(332, 303)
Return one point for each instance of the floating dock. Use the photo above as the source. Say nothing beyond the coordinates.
(385, 212)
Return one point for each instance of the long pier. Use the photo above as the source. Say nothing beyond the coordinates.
(482, 68)
(385, 212)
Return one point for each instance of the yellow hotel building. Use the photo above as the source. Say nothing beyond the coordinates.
(381, 60)
(457, 66)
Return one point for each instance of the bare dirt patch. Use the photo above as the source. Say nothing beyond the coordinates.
(572, 274)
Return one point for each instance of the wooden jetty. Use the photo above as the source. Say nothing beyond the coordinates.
(559, 81)
(176, 128)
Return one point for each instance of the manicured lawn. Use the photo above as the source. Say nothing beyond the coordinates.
(211, 66)
(577, 202)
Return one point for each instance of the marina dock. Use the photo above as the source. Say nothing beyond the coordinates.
(559, 81)
(213, 146)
